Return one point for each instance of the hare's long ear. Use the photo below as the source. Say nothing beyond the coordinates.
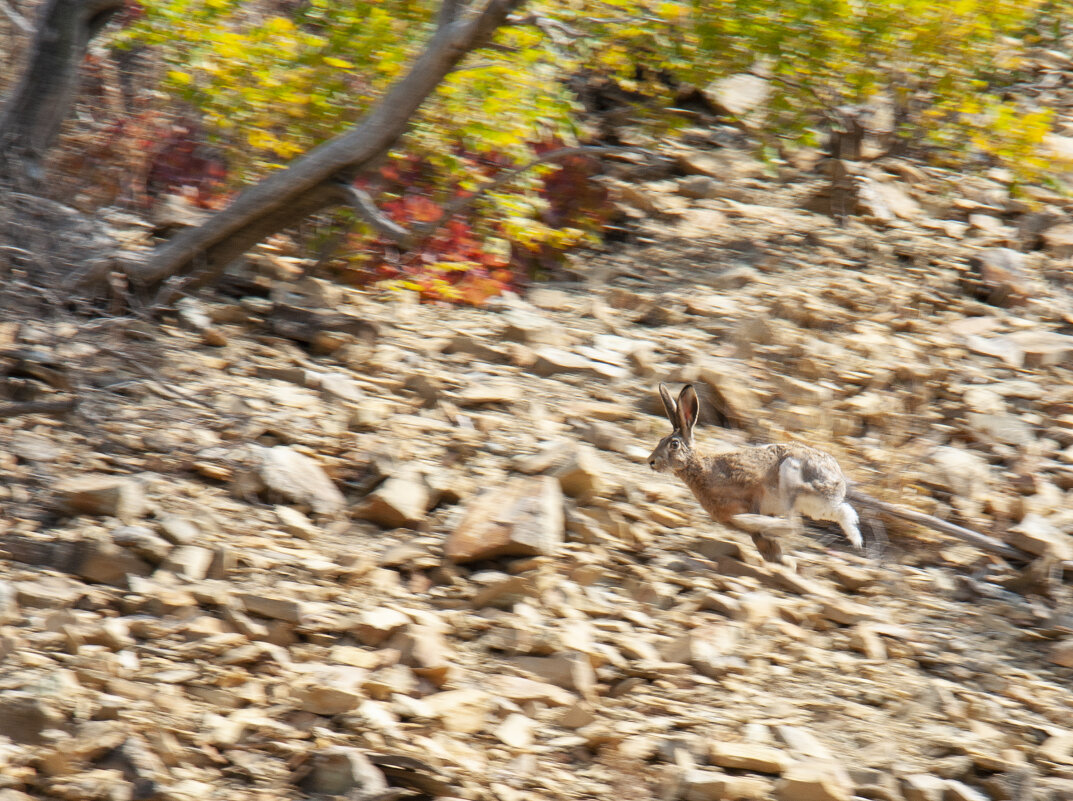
(668, 405)
(688, 409)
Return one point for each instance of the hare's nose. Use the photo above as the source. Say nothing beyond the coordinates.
(652, 463)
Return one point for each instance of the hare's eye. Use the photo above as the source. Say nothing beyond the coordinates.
(674, 444)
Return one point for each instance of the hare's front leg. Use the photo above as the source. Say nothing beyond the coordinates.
(790, 484)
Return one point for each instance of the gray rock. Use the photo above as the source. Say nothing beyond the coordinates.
(699, 187)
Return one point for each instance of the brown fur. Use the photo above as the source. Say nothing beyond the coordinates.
(782, 479)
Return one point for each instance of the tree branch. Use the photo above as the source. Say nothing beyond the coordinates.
(449, 11)
(32, 115)
(308, 185)
(981, 541)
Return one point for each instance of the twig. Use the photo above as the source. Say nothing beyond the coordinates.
(408, 239)
(928, 521)
(364, 205)
(16, 17)
(37, 407)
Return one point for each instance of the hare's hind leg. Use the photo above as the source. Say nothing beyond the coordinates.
(848, 520)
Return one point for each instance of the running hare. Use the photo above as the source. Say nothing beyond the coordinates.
(783, 479)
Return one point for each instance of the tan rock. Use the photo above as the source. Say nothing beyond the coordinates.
(812, 781)
(322, 699)
(1062, 653)
(284, 473)
(523, 517)
(1037, 535)
(710, 785)
(376, 625)
(100, 494)
(516, 731)
(461, 711)
(923, 787)
(399, 502)
(748, 756)
(520, 689)
(705, 648)
(573, 671)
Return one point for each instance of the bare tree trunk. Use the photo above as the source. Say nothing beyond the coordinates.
(312, 182)
(31, 116)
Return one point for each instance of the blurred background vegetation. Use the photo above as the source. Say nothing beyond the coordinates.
(227, 91)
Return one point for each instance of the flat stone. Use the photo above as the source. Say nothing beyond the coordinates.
(523, 517)
(555, 361)
(1005, 428)
(476, 347)
(961, 472)
(570, 670)
(1037, 535)
(738, 95)
(710, 785)
(1043, 348)
(339, 386)
(520, 690)
(143, 542)
(516, 731)
(101, 494)
(107, 563)
(923, 787)
(376, 625)
(190, 561)
(48, 592)
(179, 530)
(274, 607)
(532, 328)
(497, 391)
(9, 605)
(705, 648)
(461, 711)
(322, 699)
(812, 781)
(748, 756)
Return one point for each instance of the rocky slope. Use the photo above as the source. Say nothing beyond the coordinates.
(398, 550)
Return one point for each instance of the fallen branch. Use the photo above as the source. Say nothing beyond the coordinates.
(981, 541)
(37, 407)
